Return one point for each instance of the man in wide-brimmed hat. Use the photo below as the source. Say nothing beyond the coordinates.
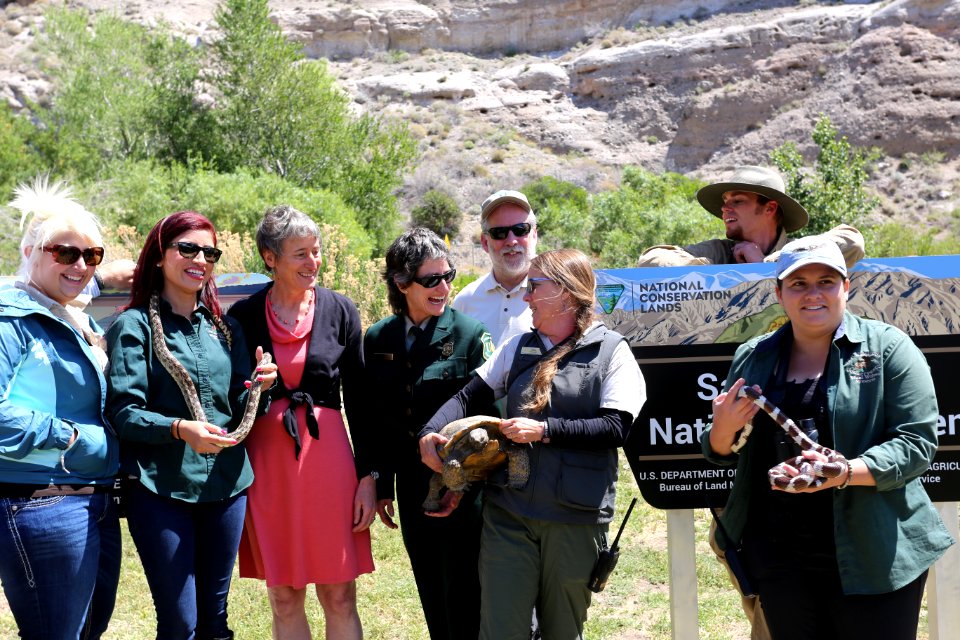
(757, 215)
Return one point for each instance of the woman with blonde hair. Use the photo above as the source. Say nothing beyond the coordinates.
(58, 454)
(573, 389)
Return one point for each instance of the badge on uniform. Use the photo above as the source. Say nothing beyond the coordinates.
(447, 349)
(530, 351)
(487, 345)
(383, 356)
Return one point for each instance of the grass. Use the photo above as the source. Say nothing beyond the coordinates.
(634, 606)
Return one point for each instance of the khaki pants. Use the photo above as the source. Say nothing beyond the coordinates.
(751, 605)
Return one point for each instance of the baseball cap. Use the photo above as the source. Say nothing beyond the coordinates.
(810, 250)
(502, 197)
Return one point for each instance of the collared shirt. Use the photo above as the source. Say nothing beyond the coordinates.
(883, 410)
(504, 313)
(408, 329)
(144, 400)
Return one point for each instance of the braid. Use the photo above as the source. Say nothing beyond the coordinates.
(572, 271)
(539, 389)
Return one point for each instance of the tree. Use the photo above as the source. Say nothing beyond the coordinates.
(283, 114)
(834, 192)
(563, 213)
(121, 92)
(439, 213)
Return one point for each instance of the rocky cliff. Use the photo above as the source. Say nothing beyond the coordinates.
(501, 91)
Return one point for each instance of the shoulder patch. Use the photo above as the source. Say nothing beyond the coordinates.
(487, 345)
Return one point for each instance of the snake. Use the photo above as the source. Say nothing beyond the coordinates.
(183, 380)
(813, 473)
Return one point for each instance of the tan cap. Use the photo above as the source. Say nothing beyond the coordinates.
(503, 197)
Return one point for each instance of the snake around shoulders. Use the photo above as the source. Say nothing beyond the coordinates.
(182, 378)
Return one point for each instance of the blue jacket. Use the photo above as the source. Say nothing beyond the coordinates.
(883, 410)
(50, 384)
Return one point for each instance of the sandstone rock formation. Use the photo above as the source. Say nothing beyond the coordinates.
(694, 86)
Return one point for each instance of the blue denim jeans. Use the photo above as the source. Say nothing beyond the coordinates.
(60, 564)
(188, 551)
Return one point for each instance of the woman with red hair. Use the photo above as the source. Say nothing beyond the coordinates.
(185, 507)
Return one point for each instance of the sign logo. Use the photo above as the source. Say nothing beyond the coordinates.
(608, 295)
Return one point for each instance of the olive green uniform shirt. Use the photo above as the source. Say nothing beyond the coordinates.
(143, 401)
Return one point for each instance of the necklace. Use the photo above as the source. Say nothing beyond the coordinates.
(297, 318)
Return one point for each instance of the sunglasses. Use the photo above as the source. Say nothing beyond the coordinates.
(429, 282)
(189, 250)
(519, 230)
(533, 283)
(65, 254)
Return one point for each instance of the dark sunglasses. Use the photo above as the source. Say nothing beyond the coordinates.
(65, 254)
(429, 282)
(519, 230)
(533, 283)
(189, 250)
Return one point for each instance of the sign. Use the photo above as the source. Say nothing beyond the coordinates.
(685, 323)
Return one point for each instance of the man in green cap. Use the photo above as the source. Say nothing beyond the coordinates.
(757, 215)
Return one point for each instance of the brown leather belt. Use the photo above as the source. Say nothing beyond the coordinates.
(38, 491)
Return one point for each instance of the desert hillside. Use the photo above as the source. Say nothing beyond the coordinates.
(500, 92)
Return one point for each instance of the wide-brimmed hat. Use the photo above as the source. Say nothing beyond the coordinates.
(762, 180)
(502, 197)
(810, 250)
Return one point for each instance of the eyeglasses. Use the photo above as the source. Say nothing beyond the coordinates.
(519, 230)
(189, 250)
(65, 254)
(429, 282)
(533, 283)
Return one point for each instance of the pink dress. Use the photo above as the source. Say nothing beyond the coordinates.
(300, 512)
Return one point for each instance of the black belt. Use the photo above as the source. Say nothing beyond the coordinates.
(39, 491)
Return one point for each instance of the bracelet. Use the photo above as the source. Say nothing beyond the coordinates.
(545, 438)
(846, 481)
(175, 429)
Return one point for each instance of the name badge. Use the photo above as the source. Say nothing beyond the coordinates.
(383, 356)
(530, 351)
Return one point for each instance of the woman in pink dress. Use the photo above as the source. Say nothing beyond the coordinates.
(313, 499)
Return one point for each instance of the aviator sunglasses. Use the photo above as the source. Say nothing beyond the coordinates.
(429, 282)
(65, 254)
(533, 283)
(519, 230)
(189, 250)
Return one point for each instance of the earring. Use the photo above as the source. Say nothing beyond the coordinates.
(159, 264)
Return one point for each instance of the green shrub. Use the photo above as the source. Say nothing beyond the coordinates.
(439, 213)
(647, 210)
(563, 216)
(123, 92)
(19, 160)
(834, 192)
(140, 193)
(893, 239)
(280, 113)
